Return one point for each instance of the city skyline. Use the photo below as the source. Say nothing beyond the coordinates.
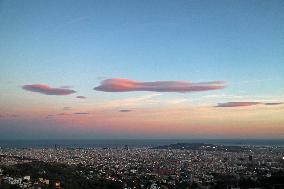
(141, 69)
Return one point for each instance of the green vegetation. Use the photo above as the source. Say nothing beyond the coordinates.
(71, 177)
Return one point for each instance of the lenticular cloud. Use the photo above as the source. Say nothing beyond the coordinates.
(45, 89)
(126, 85)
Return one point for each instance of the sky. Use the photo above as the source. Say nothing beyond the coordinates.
(140, 69)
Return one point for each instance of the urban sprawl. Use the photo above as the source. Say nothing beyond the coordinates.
(169, 166)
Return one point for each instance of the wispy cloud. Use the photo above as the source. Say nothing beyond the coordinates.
(55, 115)
(241, 104)
(66, 108)
(126, 85)
(125, 111)
(66, 114)
(81, 97)
(237, 104)
(47, 90)
(81, 113)
(273, 103)
(9, 115)
(66, 87)
(49, 116)
(62, 114)
(13, 115)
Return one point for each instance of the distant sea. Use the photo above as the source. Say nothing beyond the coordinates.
(132, 143)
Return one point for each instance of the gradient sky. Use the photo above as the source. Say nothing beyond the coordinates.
(141, 69)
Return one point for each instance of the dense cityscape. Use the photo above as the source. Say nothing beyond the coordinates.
(180, 165)
(141, 94)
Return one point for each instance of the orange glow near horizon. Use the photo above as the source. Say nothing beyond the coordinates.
(169, 121)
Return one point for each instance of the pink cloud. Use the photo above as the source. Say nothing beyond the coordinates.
(81, 97)
(45, 89)
(125, 85)
(237, 104)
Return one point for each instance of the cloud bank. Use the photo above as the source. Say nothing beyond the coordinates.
(45, 89)
(126, 85)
